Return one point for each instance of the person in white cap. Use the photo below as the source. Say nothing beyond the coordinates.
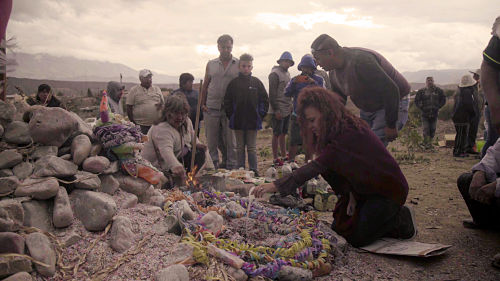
(144, 102)
(464, 111)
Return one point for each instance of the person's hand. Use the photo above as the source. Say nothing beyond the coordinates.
(204, 108)
(264, 188)
(390, 134)
(486, 193)
(201, 146)
(478, 180)
(179, 172)
(278, 116)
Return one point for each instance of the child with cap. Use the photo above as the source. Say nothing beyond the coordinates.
(306, 79)
(280, 106)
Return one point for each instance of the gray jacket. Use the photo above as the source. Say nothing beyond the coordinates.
(278, 80)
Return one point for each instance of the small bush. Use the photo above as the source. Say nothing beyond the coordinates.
(414, 114)
(446, 112)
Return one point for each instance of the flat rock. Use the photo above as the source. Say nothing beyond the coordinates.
(80, 149)
(53, 166)
(71, 239)
(180, 252)
(109, 184)
(41, 249)
(23, 170)
(17, 132)
(11, 242)
(8, 184)
(51, 125)
(176, 272)
(62, 215)
(86, 180)
(95, 150)
(6, 173)
(41, 151)
(11, 215)
(94, 209)
(157, 200)
(38, 213)
(38, 188)
(237, 274)
(9, 266)
(7, 112)
(95, 164)
(66, 157)
(171, 223)
(187, 212)
(121, 236)
(20, 276)
(130, 200)
(136, 186)
(114, 167)
(291, 273)
(213, 222)
(10, 158)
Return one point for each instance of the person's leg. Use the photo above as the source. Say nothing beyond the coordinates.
(276, 124)
(282, 136)
(483, 215)
(230, 144)
(295, 138)
(377, 217)
(472, 134)
(222, 144)
(460, 138)
(376, 121)
(432, 127)
(404, 104)
(240, 148)
(251, 141)
(426, 129)
(212, 125)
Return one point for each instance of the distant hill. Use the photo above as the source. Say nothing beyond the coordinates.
(49, 67)
(441, 77)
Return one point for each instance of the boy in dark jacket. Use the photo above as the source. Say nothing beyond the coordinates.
(307, 78)
(246, 103)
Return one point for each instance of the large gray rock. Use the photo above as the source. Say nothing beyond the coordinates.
(42, 151)
(7, 112)
(51, 125)
(8, 184)
(109, 184)
(11, 215)
(82, 128)
(52, 166)
(17, 132)
(23, 170)
(95, 164)
(10, 158)
(9, 266)
(38, 213)
(6, 173)
(63, 214)
(187, 212)
(129, 201)
(41, 249)
(212, 221)
(113, 168)
(11, 242)
(41, 189)
(137, 186)
(121, 236)
(94, 209)
(96, 149)
(86, 180)
(71, 239)
(291, 273)
(80, 149)
(180, 252)
(176, 272)
(20, 276)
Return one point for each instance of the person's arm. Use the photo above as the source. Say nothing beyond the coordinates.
(371, 73)
(290, 88)
(164, 140)
(204, 90)
(263, 103)
(130, 104)
(289, 184)
(442, 97)
(418, 99)
(490, 77)
(130, 113)
(273, 92)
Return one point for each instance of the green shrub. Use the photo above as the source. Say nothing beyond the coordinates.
(446, 112)
(414, 114)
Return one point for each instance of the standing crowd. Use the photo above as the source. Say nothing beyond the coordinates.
(348, 151)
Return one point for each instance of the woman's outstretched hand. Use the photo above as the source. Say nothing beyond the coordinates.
(264, 188)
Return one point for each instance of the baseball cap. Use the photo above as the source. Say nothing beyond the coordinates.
(145, 73)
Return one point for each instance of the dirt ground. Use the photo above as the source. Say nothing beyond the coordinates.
(439, 211)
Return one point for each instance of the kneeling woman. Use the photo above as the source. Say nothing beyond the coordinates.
(356, 164)
(169, 141)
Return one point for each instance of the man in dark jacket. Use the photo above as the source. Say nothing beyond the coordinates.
(246, 103)
(464, 110)
(186, 89)
(429, 100)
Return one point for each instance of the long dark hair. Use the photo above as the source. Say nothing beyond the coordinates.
(335, 117)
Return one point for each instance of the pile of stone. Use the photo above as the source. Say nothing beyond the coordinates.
(51, 174)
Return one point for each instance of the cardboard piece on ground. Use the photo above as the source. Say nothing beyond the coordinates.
(390, 246)
(449, 140)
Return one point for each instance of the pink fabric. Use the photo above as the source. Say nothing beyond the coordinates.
(5, 9)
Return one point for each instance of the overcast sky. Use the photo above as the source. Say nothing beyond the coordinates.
(175, 36)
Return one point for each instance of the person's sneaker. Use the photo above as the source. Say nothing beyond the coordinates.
(407, 225)
(278, 162)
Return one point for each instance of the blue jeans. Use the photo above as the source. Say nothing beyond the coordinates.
(376, 119)
(429, 127)
(248, 139)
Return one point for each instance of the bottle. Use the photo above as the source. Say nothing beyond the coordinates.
(103, 108)
(286, 169)
(271, 173)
